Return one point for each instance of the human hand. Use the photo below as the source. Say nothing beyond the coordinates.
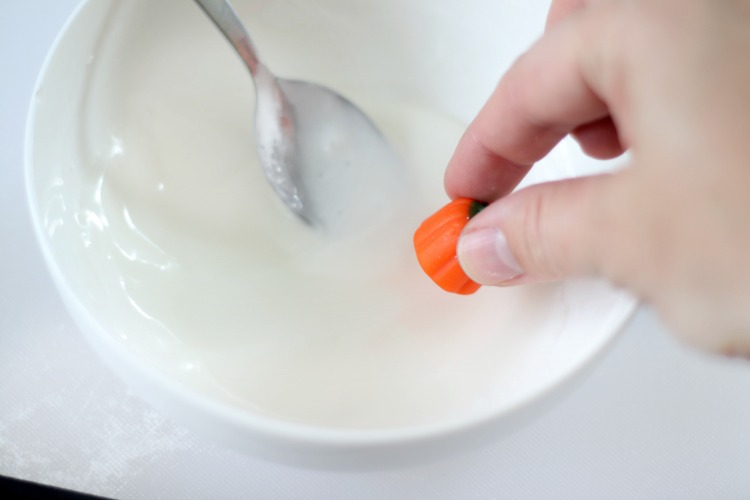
(668, 80)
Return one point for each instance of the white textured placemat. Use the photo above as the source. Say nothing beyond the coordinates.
(653, 421)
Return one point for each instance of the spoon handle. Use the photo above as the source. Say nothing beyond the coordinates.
(225, 18)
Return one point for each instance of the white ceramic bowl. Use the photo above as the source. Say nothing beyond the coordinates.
(198, 289)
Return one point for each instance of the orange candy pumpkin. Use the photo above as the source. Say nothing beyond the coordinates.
(435, 243)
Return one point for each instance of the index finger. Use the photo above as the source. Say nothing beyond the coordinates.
(550, 90)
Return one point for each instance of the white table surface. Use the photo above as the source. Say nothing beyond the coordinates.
(655, 420)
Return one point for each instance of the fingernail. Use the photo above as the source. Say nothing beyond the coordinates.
(485, 257)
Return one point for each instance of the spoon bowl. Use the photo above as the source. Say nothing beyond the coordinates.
(325, 159)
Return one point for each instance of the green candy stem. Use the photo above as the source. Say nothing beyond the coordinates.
(475, 208)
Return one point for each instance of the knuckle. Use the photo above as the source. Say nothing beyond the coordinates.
(539, 254)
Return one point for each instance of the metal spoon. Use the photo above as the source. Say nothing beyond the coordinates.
(324, 158)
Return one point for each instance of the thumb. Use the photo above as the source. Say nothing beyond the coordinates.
(541, 233)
